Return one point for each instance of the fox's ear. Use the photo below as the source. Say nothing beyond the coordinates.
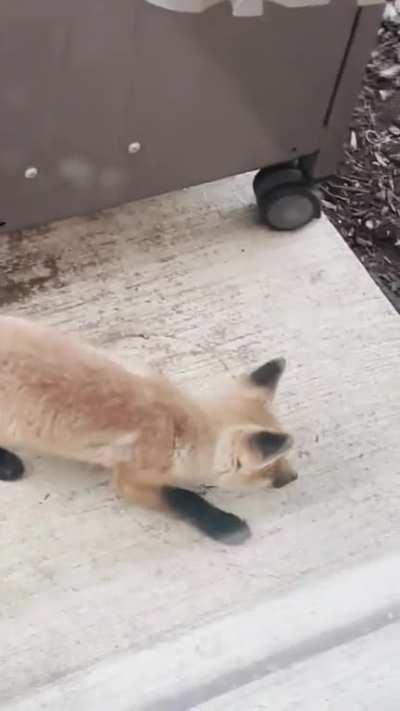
(263, 447)
(268, 375)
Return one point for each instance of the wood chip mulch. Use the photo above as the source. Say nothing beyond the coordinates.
(363, 199)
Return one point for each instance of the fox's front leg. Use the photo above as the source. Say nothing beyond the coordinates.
(215, 523)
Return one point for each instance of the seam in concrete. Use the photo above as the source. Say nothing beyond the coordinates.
(240, 677)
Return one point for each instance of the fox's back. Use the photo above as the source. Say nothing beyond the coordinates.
(52, 381)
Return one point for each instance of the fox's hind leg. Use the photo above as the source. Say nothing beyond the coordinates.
(11, 466)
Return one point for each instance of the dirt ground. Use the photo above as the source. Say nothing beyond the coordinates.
(363, 199)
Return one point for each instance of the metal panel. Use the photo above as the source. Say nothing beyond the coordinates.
(361, 43)
(218, 95)
(65, 77)
(206, 96)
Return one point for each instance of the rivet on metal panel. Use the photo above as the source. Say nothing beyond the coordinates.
(134, 147)
(31, 172)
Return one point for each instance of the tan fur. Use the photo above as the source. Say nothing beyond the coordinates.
(61, 397)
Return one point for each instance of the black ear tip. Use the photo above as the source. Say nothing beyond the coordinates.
(271, 443)
(280, 363)
(278, 439)
(268, 374)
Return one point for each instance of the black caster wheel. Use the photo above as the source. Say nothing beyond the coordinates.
(285, 198)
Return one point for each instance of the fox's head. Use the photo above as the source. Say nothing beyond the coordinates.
(250, 444)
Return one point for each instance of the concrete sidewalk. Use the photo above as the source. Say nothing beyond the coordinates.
(104, 606)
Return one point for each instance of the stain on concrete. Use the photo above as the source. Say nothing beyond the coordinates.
(25, 268)
(317, 276)
(50, 257)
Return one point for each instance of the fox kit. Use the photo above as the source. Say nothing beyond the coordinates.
(63, 398)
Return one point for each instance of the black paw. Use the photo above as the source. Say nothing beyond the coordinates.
(215, 523)
(226, 528)
(11, 466)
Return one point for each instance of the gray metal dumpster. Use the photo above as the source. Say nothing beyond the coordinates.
(106, 102)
